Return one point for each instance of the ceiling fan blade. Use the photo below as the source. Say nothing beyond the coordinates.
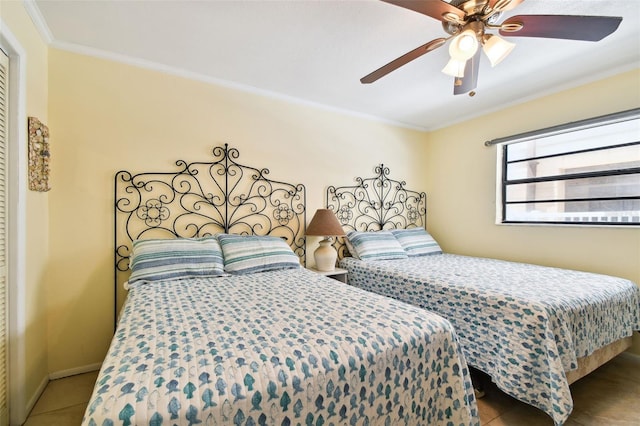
(571, 27)
(402, 60)
(470, 79)
(433, 8)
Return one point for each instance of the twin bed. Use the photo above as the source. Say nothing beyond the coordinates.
(532, 329)
(222, 324)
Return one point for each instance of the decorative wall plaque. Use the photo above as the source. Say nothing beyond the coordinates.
(39, 156)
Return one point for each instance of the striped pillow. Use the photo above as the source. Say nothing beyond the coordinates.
(350, 248)
(171, 259)
(376, 245)
(416, 241)
(245, 254)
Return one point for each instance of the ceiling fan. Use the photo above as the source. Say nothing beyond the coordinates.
(469, 23)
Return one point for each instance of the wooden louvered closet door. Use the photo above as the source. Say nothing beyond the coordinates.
(4, 136)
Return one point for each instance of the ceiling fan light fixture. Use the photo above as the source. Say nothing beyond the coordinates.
(496, 49)
(455, 68)
(468, 23)
(464, 45)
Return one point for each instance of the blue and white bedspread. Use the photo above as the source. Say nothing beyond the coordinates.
(286, 347)
(522, 324)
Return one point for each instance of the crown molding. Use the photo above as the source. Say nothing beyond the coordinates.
(38, 20)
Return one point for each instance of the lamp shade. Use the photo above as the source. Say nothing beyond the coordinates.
(325, 224)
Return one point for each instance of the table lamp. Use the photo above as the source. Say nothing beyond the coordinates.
(325, 224)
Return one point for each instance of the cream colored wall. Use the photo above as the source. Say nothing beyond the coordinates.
(37, 218)
(461, 187)
(108, 116)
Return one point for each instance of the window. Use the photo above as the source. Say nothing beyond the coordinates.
(585, 173)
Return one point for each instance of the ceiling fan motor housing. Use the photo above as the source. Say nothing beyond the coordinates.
(475, 17)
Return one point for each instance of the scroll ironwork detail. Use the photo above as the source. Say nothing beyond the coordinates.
(376, 203)
(204, 198)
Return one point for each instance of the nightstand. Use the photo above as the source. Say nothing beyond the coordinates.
(338, 274)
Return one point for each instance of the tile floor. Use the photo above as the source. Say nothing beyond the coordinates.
(610, 396)
(63, 401)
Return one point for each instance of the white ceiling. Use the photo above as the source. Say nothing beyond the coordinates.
(317, 51)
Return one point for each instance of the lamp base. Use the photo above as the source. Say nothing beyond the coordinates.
(325, 256)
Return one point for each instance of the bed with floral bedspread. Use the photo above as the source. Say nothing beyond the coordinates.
(522, 324)
(283, 347)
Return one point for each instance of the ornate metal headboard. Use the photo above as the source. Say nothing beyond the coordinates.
(201, 199)
(376, 203)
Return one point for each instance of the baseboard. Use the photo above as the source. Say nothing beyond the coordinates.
(631, 353)
(57, 375)
(32, 402)
(73, 371)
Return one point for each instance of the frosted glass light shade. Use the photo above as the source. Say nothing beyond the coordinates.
(497, 49)
(464, 45)
(455, 68)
